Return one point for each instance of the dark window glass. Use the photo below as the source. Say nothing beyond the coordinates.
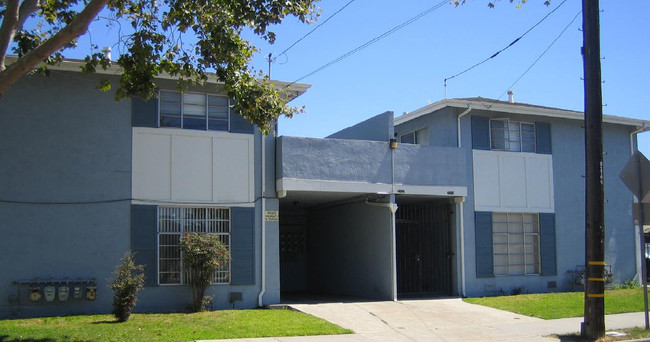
(194, 123)
(170, 121)
(408, 138)
(217, 125)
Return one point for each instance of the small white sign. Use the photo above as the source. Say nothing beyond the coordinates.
(272, 215)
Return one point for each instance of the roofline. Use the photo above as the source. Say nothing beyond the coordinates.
(517, 109)
(74, 65)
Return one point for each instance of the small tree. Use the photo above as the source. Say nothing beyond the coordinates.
(202, 255)
(129, 279)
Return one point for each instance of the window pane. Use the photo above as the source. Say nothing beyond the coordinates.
(170, 121)
(218, 125)
(515, 243)
(408, 138)
(194, 104)
(499, 134)
(192, 123)
(220, 101)
(218, 112)
(167, 108)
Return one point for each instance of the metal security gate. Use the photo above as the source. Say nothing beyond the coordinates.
(423, 249)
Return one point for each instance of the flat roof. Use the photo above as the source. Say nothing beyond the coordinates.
(515, 108)
(69, 64)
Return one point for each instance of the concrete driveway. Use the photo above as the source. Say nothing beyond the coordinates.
(439, 320)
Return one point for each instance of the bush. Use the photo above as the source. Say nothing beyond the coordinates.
(202, 255)
(129, 279)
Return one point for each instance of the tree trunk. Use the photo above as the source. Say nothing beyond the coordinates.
(29, 61)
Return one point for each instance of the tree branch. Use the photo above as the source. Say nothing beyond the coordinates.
(26, 9)
(78, 26)
(8, 29)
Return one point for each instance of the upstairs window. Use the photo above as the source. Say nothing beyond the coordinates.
(420, 137)
(514, 136)
(194, 111)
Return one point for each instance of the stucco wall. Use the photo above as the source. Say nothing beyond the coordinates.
(368, 161)
(377, 128)
(61, 140)
(57, 148)
(568, 180)
(349, 251)
(569, 198)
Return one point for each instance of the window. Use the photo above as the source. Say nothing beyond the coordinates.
(516, 244)
(173, 222)
(420, 137)
(515, 136)
(194, 111)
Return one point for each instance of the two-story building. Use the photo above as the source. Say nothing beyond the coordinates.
(463, 197)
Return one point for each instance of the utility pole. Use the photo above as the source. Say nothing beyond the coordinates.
(594, 320)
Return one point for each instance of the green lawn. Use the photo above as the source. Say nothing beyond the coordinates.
(168, 327)
(562, 305)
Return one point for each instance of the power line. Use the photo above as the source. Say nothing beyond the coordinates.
(505, 48)
(315, 28)
(374, 40)
(538, 58)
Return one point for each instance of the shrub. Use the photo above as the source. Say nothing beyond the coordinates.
(202, 255)
(129, 279)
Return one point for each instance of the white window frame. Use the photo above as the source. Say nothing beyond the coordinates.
(525, 252)
(207, 109)
(508, 141)
(223, 275)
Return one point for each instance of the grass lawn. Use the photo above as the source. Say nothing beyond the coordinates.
(562, 305)
(168, 327)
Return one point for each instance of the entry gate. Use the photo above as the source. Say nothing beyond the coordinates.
(423, 250)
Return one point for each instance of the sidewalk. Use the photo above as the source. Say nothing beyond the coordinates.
(439, 320)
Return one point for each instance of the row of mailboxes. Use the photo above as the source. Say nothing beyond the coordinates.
(59, 290)
(62, 293)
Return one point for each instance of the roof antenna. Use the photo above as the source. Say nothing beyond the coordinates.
(445, 88)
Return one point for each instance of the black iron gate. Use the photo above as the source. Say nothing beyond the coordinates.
(423, 250)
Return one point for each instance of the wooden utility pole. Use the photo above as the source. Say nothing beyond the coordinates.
(594, 320)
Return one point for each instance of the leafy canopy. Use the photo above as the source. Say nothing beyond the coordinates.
(184, 39)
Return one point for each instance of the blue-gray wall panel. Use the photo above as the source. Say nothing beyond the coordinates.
(377, 128)
(370, 162)
(348, 251)
(63, 141)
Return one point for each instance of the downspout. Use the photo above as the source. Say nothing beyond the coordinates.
(260, 297)
(460, 214)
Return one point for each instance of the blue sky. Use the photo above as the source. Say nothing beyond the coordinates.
(405, 71)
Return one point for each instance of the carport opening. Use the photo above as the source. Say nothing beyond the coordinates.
(334, 245)
(425, 247)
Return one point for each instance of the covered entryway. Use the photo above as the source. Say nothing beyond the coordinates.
(424, 249)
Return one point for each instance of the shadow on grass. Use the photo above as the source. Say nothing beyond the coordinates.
(104, 322)
(7, 338)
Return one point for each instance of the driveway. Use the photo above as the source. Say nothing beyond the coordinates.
(439, 320)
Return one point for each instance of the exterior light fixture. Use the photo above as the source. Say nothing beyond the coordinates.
(393, 144)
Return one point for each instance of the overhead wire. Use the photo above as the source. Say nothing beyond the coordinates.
(538, 58)
(507, 47)
(314, 29)
(372, 41)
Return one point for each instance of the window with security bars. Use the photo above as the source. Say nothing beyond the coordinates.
(515, 244)
(514, 136)
(194, 111)
(173, 222)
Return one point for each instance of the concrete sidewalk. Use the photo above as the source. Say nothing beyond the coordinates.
(439, 320)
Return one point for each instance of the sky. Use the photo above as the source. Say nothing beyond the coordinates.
(405, 70)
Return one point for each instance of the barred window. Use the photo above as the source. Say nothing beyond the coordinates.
(173, 222)
(516, 244)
